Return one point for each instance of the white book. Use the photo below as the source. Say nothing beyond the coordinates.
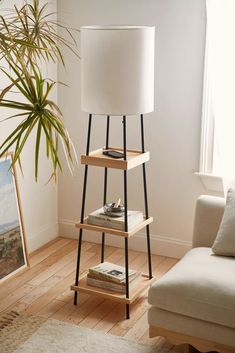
(99, 218)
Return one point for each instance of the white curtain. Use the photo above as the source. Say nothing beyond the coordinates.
(220, 66)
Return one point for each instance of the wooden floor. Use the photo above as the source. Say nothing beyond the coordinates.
(44, 290)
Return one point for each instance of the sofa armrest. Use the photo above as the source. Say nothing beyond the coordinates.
(208, 215)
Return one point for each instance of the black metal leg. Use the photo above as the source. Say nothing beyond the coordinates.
(78, 266)
(105, 187)
(126, 220)
(82, 210)
(146, 200)
(127, 279)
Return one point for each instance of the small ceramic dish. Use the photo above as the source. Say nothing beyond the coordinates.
(112, 211)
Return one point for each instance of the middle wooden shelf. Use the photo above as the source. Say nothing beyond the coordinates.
(120, 233)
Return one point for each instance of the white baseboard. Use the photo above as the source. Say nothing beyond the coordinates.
(36, 240)
(160, 245)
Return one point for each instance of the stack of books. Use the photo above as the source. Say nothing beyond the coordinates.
(112, 277)
(99, 218)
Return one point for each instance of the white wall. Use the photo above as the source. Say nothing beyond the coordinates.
(172, 131)
(39, 201)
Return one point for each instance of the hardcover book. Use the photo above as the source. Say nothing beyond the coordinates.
(101, 277)
(99, 218)
(111, 271)
(110, 285)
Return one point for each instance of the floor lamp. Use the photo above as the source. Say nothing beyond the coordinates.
(117, 66)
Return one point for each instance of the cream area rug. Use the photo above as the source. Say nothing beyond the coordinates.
(33, 334)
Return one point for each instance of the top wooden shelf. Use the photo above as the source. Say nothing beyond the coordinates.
(134, 158)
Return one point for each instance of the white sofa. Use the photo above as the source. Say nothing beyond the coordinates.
(194, 302)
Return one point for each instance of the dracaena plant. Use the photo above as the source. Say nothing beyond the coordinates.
(29, 38)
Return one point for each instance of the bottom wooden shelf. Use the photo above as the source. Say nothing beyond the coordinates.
(135, 292)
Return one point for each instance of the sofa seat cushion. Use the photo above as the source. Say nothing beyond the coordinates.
(201, 285)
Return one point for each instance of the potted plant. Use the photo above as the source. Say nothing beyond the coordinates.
(28, 39)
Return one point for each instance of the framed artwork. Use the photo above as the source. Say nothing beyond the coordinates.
(13, 253)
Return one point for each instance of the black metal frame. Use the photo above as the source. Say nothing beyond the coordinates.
(125, 204)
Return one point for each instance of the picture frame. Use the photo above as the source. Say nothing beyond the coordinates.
(13, 247)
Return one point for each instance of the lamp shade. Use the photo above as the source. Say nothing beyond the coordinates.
(117, 69)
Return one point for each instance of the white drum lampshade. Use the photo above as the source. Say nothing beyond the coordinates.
(117, 69)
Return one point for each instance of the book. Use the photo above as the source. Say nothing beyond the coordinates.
(109, 285)
(107, 279)
(99, 218)
(111, 271)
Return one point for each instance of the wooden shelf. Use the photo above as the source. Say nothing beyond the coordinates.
(134, 158)
(120, 233)
(143, 284)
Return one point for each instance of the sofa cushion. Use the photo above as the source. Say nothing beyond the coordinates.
(224, 243)
(201, 285)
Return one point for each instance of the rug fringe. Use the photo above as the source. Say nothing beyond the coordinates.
(7, 319)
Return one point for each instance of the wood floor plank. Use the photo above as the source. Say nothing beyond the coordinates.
(65, 311)
(39, 256)
(98, 314)
(137, 309)
(51, 308)
(16, 306)
(22, 278)
(114, 316)
(45, 246)
(15, 296)
(53, 269)
(68, 308)
(136, 331)
(36, 292)
(51, 294)
(57, 283)
(81, 312)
